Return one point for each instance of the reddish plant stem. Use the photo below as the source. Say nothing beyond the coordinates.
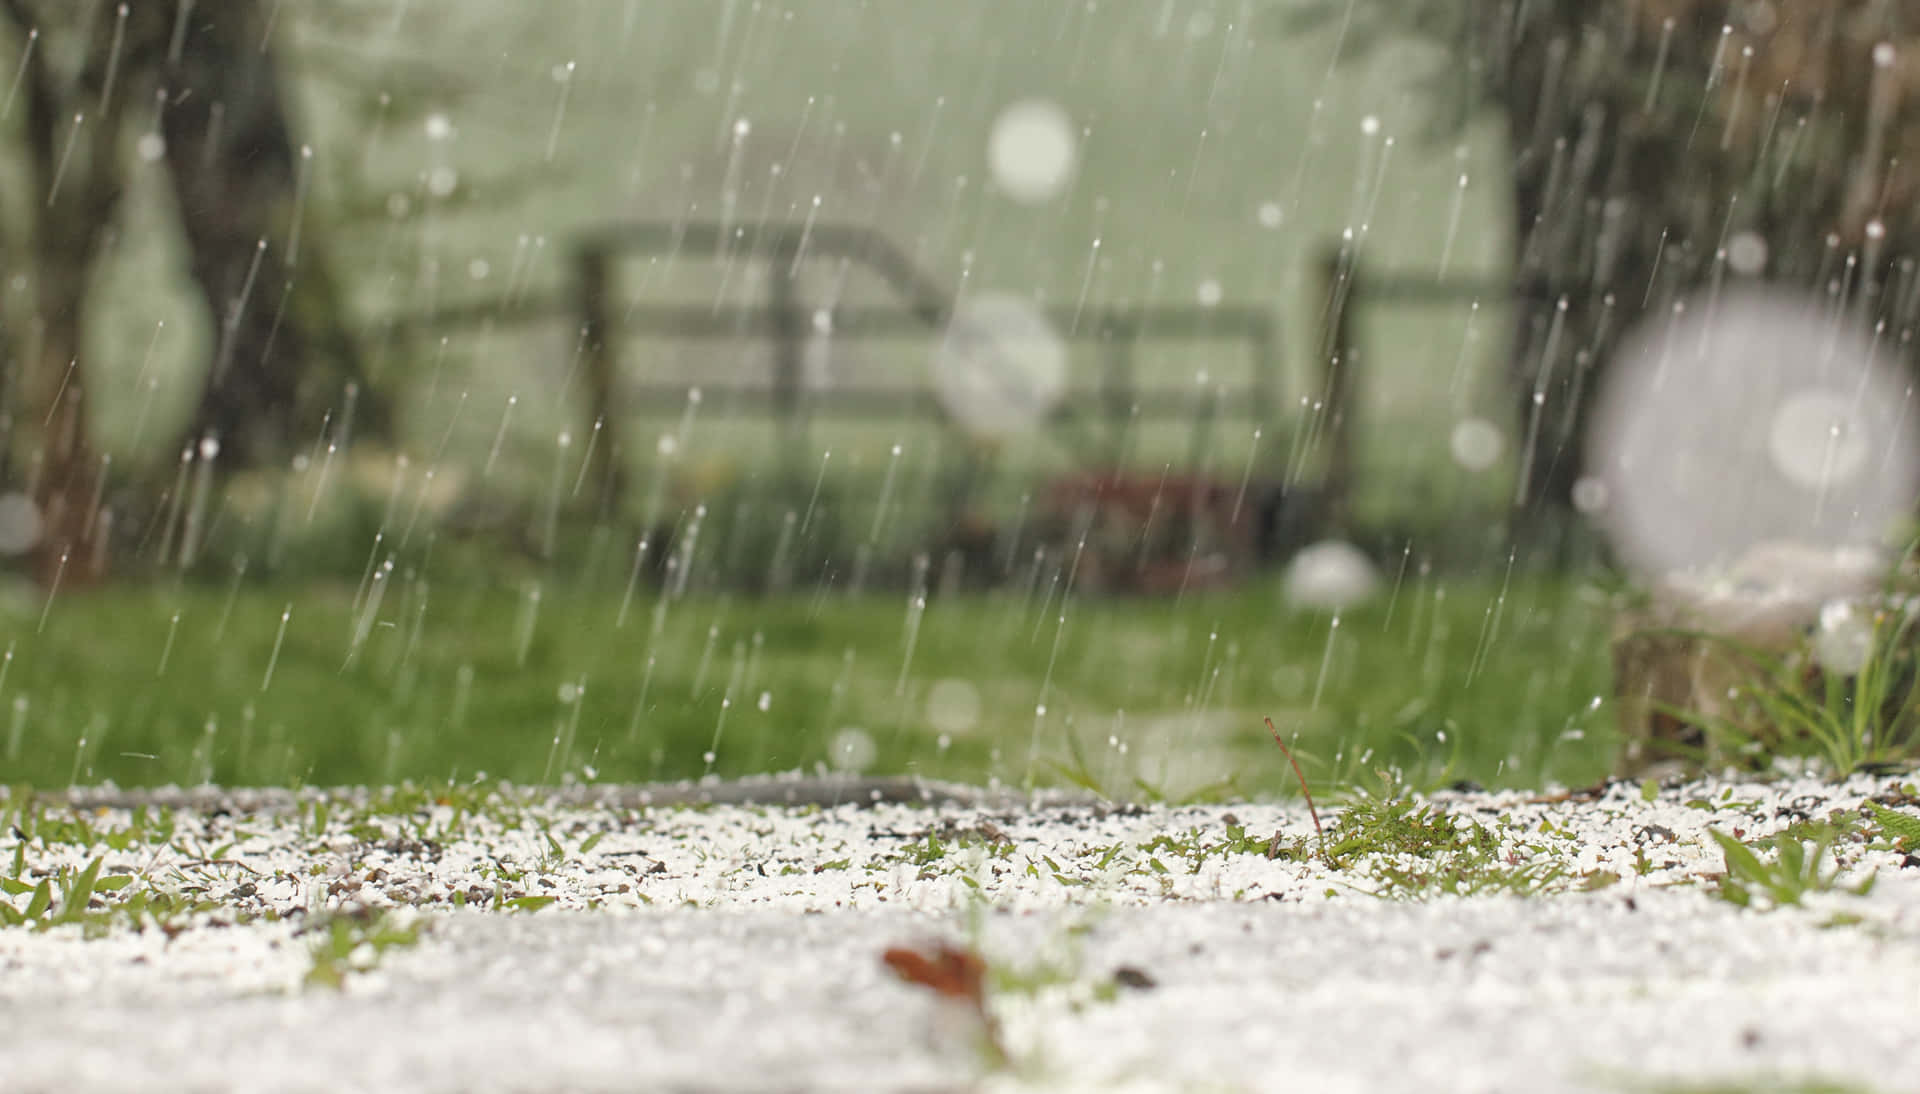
(1298, 774)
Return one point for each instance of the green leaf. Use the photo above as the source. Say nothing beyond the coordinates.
(1904, 827)
(42, 899)
(113, 883)
(591, 842)
(530, 903)
(75, 902)
(1741, 862)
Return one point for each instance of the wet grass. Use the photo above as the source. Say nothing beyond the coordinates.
(538, 678)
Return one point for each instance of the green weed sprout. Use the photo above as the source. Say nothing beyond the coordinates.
(1859, 722)
(1799, 867)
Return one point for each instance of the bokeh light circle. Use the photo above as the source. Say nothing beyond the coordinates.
(1757, 417)
(851, 750)
(1331, 575)
(1002, 366)
(1818, 436)
(1031, 151)
(1476, 443)
(953, 705)
(20, 525)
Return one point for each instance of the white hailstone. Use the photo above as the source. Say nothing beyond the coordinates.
(1476, 443)
(1747, 253)
(1209, 293)
(1760, 417)
(1843, 643)
(1330, 575)
(1589, 494)
(1270, 214)
(1032, 150)
(1818, 438)
(1001, 367)
(851, 750)
(953, 705)
(20, 525)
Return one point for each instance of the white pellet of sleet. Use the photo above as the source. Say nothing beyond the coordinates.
(739, 947)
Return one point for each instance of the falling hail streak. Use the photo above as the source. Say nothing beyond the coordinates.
(52, 589)
(301, 181)
(20, 74)
(1326, 662)
(1246, 473)
(113, 56)
(279, 636)
(586, 457)
(236, 309)
(499, 436)
(1714, 71)
(1453, 228)
(633, 578)
(815, 498)
(1539, 401)
(166, 650)
(1490, 626)
(60, 169)
(1659, 66)
(565, 77)
(1739, 98)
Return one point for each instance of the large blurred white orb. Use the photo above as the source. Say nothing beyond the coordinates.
(1002, 367)
(20, 525)
(1760, 417)
(1032, 150)
(1843, 642)
(953, 705)
(1331, 575)
(851, 750)
(1818, 438)
(1476, 443)
(1747, 254)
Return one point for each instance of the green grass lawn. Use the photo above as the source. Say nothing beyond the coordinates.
(534, 678)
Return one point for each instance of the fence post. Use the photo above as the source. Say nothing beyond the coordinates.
(789, 326)
(601, 364)
(1120, 338)
(1338, 358)
(1261, 390)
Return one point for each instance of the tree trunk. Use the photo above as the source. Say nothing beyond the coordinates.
(70, 127)
(283, 358)
(62, 475)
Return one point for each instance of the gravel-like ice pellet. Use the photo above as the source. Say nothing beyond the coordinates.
(590, 942)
